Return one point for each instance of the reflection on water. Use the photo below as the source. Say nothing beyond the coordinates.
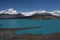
(50, 26)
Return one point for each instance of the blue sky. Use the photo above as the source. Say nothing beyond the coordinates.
(29, 5)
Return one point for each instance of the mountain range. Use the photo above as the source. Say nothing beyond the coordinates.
(12, 13)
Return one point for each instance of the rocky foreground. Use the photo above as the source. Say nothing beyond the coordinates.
(54, 36)
(9, 34)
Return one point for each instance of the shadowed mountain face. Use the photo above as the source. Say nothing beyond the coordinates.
(34, 16)
(42, 14)
(19, 15)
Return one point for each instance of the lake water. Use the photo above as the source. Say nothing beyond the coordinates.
(50, 26)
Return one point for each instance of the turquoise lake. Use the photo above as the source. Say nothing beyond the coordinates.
(50, 26)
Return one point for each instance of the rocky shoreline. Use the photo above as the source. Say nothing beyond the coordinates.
(44, 17)
(9, 34)
(54, 36)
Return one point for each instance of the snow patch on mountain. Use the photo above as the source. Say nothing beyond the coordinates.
(33, 12)
(56, 13)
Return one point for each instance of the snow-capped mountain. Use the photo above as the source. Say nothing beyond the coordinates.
(34, 12)
(41, 12)
(8, 11)
(56, 13)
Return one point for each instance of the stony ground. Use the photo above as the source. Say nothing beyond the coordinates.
(55, 36)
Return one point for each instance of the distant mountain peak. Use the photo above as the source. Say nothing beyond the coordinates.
(9, 11)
